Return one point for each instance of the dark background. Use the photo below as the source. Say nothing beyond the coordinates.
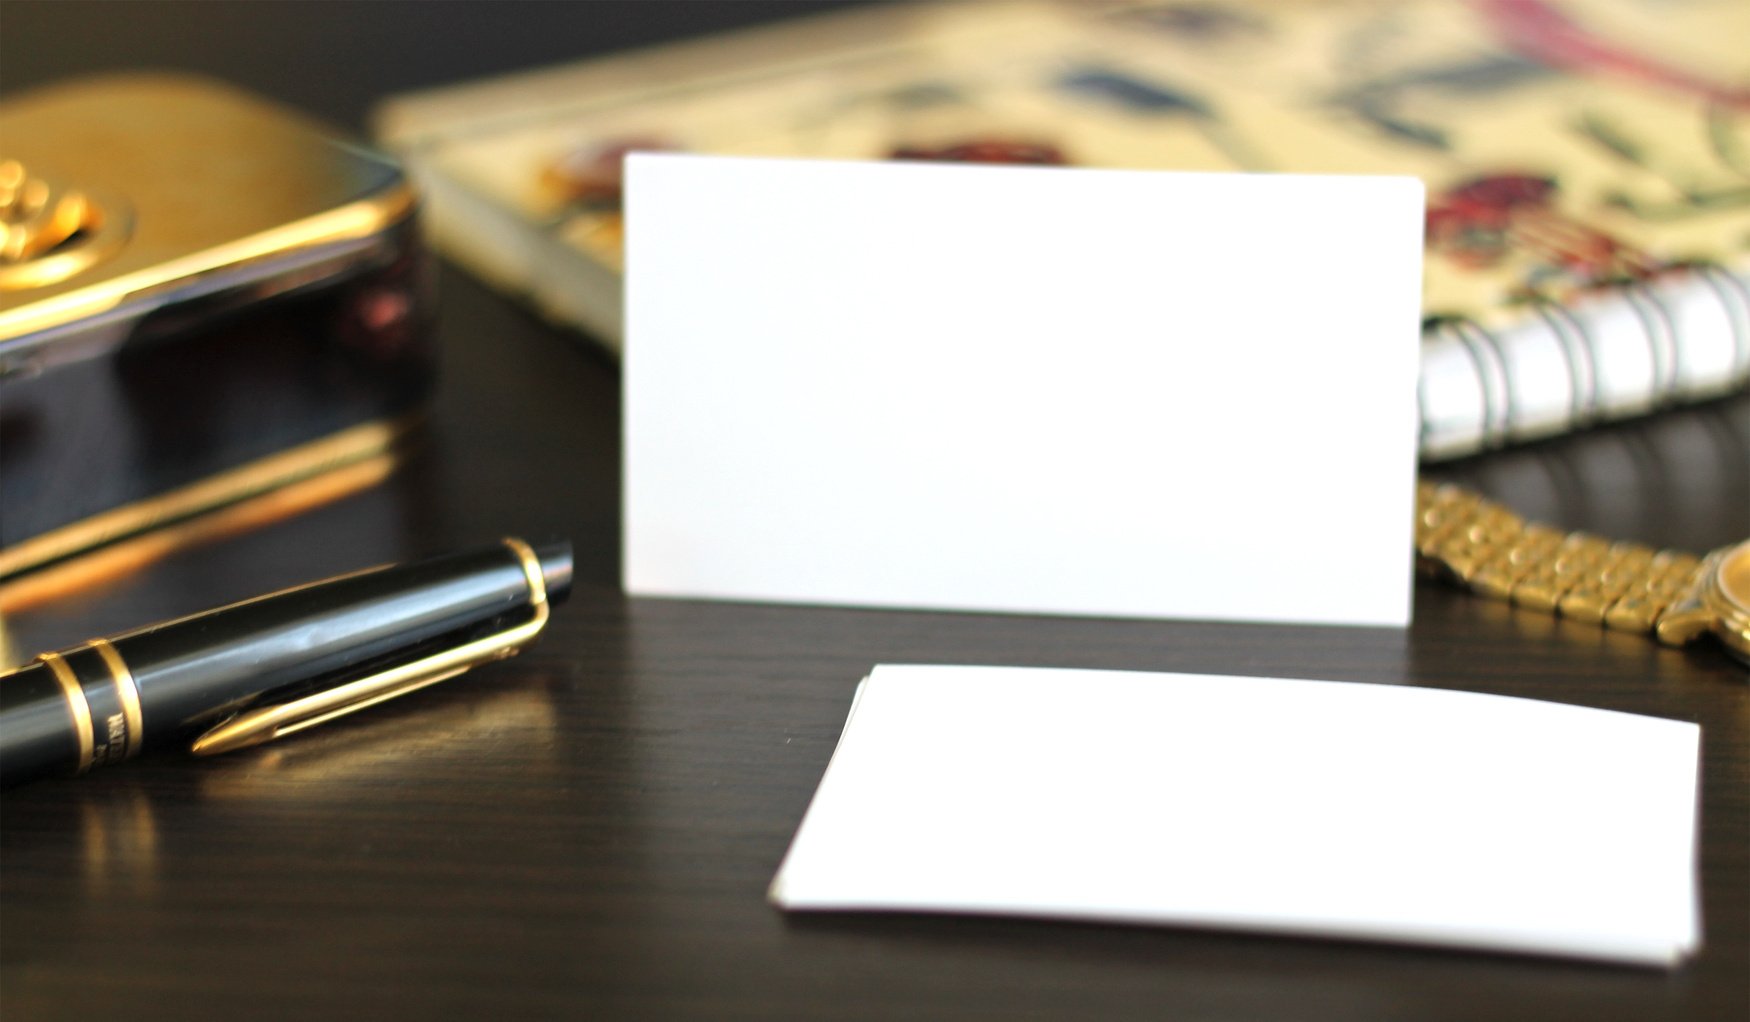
(588, 830)
(336, 58)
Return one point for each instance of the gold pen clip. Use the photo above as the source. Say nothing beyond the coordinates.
(252, 727)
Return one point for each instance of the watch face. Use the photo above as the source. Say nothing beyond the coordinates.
(1730, 601)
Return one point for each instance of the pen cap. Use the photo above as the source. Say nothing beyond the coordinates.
(289, 659)
(193, 672)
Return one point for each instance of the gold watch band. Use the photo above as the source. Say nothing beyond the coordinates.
(1626, 586)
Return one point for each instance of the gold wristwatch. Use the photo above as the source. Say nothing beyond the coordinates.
(1675, 597)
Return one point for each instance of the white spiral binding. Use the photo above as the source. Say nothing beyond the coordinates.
(1683, 336)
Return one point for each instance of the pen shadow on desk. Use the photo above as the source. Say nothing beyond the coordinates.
(502, 719)
(464, 725)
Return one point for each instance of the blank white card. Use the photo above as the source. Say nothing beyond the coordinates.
(1308, 807)
(1029, 389)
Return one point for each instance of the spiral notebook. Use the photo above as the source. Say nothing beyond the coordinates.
(1587, 163)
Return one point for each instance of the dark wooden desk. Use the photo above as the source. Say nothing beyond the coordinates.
(588, 831)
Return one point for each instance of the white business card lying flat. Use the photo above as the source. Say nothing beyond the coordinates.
(1029, 389)
(1328, 808)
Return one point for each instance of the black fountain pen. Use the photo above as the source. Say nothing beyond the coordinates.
(256, 670)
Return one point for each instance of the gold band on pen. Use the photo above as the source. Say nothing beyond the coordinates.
(127, 693)
(77, 705)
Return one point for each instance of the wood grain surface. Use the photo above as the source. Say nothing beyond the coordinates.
(587, 831)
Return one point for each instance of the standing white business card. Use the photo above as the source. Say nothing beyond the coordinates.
(1041, 390)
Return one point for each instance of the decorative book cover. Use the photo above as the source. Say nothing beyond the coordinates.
(1588, 163)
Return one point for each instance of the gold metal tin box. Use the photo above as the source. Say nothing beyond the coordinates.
(204, 298)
